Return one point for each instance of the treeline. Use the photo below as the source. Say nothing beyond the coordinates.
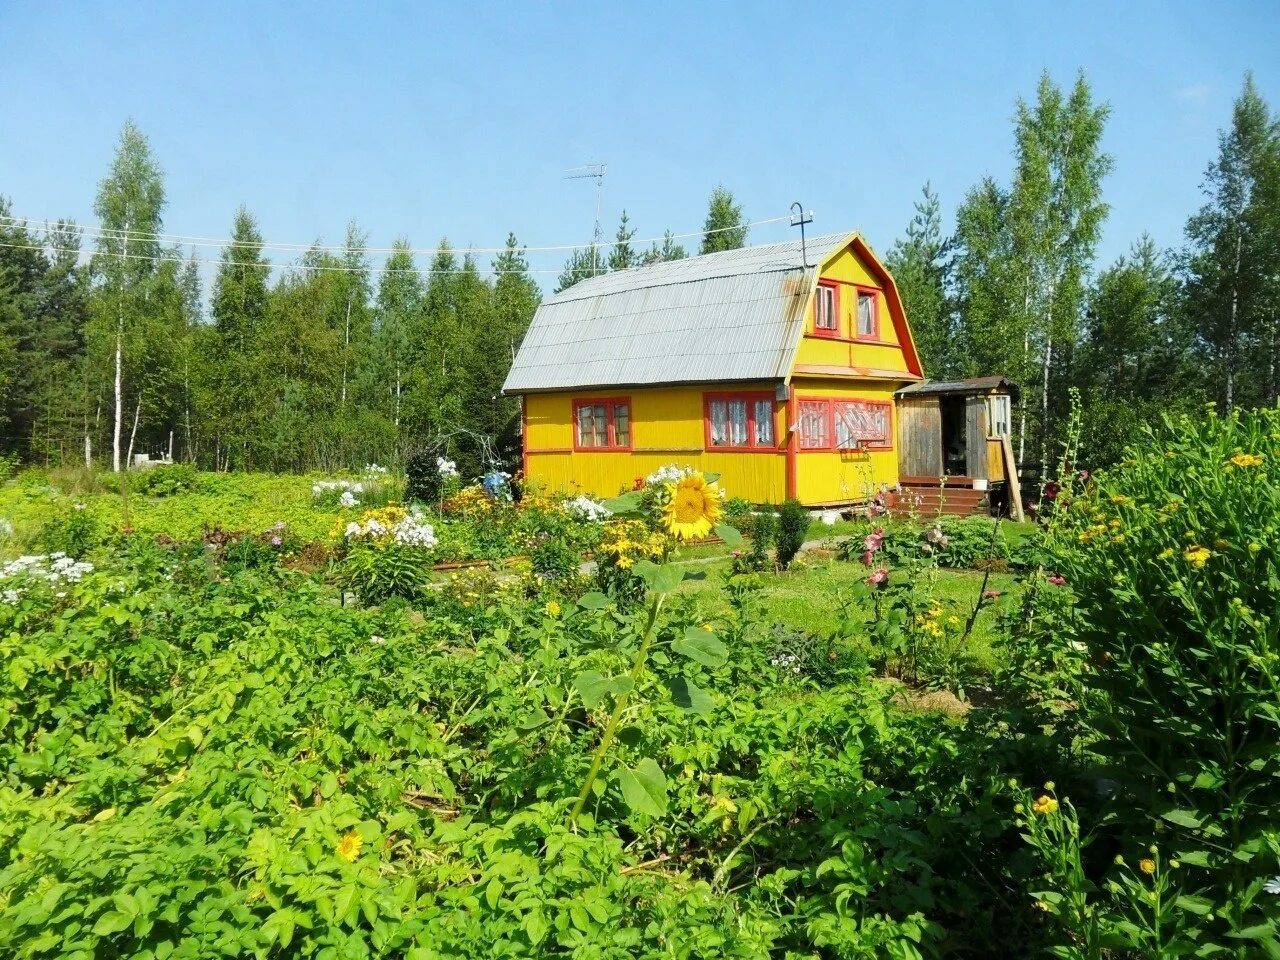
(324, 363)
(1013, 288)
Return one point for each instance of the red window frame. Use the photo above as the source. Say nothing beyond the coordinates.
(610, 405)
(859, 293)
(834, 329)
(751, 399)
(831, 445)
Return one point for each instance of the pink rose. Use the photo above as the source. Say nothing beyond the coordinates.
(878, 577)
(869, 557)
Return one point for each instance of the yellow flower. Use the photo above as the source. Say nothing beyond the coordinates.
(553, 609)
(1246, 460)
(693, 509)
(1197, 556)
(1045, 805)
(1166, 553)
(1147, 866)
(348, 847)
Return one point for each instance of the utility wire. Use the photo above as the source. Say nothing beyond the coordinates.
(225, 242)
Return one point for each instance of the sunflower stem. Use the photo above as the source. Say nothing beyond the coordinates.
(620, 704)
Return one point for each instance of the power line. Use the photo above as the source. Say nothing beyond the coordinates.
(334, 268)
(107, 233)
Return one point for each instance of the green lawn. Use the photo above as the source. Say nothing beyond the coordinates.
(812, 598)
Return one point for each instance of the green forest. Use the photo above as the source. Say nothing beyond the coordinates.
(109, 345)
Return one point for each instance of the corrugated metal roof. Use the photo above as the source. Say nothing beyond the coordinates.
(731, 316)
(972, 385)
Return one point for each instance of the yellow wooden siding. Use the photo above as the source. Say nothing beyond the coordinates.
(885, 354)
(667, 427)
(846, 475)
(995, 459)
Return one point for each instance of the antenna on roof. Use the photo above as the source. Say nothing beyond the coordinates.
(591, 171)
(798, 219)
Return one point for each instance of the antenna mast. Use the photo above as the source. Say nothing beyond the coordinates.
(591, 171)
(798, 219)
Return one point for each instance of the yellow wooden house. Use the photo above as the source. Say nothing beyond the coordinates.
(772, 366)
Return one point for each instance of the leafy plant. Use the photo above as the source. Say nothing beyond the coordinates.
(793, 526)
(376, 573)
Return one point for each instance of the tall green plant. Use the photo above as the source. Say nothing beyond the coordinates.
(1174, 560)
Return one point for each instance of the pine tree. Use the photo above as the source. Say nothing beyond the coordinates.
(583, 263)
(1233, 268)
(670, 250)
(515, 298)
(129, 205)
(399, 304)
(920, 270)
(623, 255)
(239, 308)
(1134, 360)
(724, 228)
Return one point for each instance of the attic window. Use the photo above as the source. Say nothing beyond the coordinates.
(602, 424)
(826, 310)
(868, 314)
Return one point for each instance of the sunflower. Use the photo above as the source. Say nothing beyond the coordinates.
(348, 847)
(692, 508)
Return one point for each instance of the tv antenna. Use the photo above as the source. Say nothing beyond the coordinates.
(798, 219)
(591, 171)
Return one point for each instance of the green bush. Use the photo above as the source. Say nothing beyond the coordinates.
(73, 531)
(1174, 561)
(793, 526)
(164, 481)
(376, 573)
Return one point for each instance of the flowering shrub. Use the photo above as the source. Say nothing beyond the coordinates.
(586, 508)
(343, 493)
(48, 572)
(393, 524)
(1173, 559)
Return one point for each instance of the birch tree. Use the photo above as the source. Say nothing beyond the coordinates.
(129, 205)
(1233, 263)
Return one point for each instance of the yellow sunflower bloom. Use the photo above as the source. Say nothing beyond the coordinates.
(348, 847)
(693, 508)
(1147, 866)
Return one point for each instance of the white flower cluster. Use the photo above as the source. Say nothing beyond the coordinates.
(54, 569)
(321, 487)
(668, 473)
(411, 531)
(348, 499)
(446, 468)
(374, 471)
(585, 508)
(786, 661)
(829, 517)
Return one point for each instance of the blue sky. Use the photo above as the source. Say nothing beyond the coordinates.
(425, 120)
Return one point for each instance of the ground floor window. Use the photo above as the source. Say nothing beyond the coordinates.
(998, 415)
(838, 424)
(603, 424)
(739, 421)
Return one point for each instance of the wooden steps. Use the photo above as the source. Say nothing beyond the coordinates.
(955, 500)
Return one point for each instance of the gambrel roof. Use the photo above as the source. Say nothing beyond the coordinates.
(735, 316)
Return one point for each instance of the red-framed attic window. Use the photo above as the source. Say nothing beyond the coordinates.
(739, 421)
(602, 423)
(826, 310)
(866, 314)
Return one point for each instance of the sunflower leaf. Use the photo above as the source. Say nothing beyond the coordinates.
(645, 788)
(688, 696)
(702, 646)
(728, 534)
(661, 579)
(628, 503)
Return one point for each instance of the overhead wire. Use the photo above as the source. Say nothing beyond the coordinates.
(96, 232)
